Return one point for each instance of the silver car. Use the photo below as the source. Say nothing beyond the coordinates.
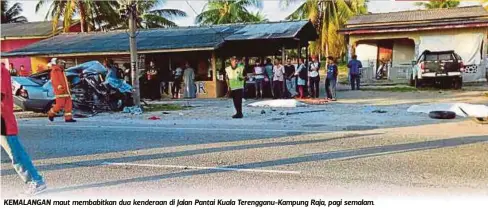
(33, 93)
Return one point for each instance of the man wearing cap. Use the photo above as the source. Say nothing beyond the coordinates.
(61, 90)
(10, 142)
(235, 82)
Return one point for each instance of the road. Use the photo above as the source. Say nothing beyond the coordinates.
(111, 159)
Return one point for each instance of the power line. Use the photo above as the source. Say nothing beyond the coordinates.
(217, 32)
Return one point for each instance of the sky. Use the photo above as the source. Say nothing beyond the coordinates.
(271, 8)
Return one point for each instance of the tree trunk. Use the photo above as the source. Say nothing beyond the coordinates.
(81, 7)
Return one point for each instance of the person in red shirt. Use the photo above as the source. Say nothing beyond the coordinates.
(10, 142)
(24, 72)
(61, 90)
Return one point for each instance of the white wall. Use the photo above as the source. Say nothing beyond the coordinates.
(403, 53)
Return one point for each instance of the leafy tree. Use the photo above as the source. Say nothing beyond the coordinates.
(12, 14)
(436, 4)
(229, 11)
(328, 16)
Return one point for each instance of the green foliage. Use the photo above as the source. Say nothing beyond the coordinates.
(229, 11)
(12, 14)
(328, 16)
(436, 4)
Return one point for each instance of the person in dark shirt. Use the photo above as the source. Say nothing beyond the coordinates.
(290, 80)
(355, 72)
(331, 79)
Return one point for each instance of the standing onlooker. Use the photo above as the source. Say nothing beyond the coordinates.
(331, 79)
(301, 72)
(278, 78)
(10, 142)
(314, 78)
(12, 70)
(259, 78)
(290, 79)
(153, 81)
(178, 77)
(24, 72)
(235, 82)
(268, 68)
(355, 72)
(189, 80)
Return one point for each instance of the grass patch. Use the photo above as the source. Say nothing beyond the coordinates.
(164, 107)
(392, 89)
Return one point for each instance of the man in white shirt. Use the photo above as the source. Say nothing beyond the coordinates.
(278, 78)
(314, 78)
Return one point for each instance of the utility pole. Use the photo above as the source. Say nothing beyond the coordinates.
(130, 11)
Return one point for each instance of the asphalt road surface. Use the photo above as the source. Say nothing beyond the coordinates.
(107, 159)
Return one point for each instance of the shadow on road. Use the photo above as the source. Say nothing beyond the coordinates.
(344, 154)
(98, 162)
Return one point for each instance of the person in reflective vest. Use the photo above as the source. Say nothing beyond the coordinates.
(61, 90)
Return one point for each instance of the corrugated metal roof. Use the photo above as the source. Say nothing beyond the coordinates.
(420, 15)
(159, 39)
(268, 30)
(29, 29)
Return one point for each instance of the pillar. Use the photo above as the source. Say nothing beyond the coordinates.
(283, 55)
(484, 57)
(214, 76)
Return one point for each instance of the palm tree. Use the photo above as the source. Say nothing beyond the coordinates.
(152, 17)
(229, 11)
(12, 14)
(327, 16)
(259, 17)
(435, 4)
(90, 12)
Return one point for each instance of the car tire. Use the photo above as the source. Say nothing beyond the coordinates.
(417, 83)
(442, 115)
(457, 83)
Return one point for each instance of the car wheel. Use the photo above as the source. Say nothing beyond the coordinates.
(417, 82)
(442, 115)
(412, 81)
(49, 106)
(457, 83)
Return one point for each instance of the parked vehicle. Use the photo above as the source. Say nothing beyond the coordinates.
(33, 93)
(439, 67)
(88, 90)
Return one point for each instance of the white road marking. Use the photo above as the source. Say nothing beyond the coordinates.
(202, 168)
(135, 128)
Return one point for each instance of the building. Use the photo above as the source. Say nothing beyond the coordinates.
(206, 48)
(19, 35)
(396, 39)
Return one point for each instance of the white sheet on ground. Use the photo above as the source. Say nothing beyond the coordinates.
(470, 109)
(278, 103)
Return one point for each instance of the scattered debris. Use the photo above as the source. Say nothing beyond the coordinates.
(380, 111)
(302, 112)
(132, 110)
(282, 113)
(154, 118)
(166, 113)
(276, 119)
(263, 112)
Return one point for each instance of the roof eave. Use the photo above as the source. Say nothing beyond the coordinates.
(20, 54)
(410, 29)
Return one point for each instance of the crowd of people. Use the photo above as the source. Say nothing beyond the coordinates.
(295, 79)
(154, 80)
